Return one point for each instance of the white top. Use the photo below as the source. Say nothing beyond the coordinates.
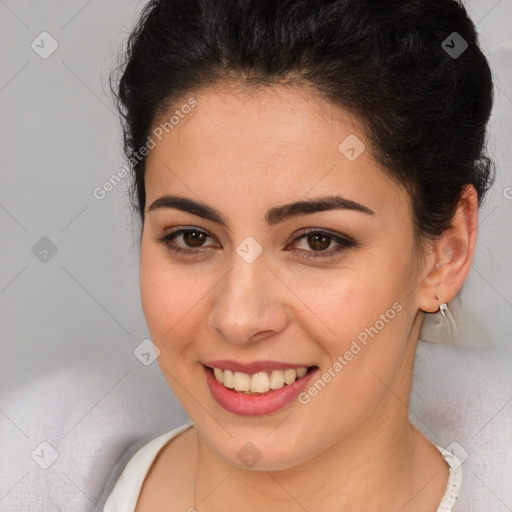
(125, 493)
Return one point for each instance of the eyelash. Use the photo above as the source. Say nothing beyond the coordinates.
(345, 243)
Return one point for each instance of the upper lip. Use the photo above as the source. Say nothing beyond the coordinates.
(253, 367)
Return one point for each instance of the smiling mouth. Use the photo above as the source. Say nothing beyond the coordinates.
(259, 383)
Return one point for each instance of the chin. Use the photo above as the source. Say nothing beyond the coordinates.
(254, 449)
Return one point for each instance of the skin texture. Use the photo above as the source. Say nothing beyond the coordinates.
(243, 152)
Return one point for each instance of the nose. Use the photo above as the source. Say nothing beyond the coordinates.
(248, 304)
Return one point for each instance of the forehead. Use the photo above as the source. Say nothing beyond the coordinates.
(270, 145)
(279, 118)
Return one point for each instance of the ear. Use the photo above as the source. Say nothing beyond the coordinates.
(449, 262)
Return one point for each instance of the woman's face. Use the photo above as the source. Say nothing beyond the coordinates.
(266, 286)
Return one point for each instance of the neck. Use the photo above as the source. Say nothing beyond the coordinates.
(379, 462)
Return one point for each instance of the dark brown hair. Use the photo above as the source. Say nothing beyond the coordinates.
(393, 63)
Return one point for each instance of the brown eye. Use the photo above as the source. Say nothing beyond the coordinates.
(315, 244)
(319, 242)
(194, 238)
(186, 241)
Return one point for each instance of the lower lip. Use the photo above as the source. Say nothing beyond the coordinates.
(256, 405)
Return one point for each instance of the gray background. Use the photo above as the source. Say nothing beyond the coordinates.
(70, 324)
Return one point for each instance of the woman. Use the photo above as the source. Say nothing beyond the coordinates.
(308, 175)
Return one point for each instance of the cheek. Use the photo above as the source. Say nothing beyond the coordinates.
(170, 297)
(343, 305)
(359, 319)
(363, 335)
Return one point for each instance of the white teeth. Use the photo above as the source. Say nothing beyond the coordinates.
(228, 379)
(301, 372)
(241, 381)
(289, 376)
(277, 379)
(260, 382)
(219, 375)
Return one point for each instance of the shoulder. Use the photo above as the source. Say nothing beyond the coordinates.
(125, 493)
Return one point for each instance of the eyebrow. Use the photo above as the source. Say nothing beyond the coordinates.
(273, 216)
